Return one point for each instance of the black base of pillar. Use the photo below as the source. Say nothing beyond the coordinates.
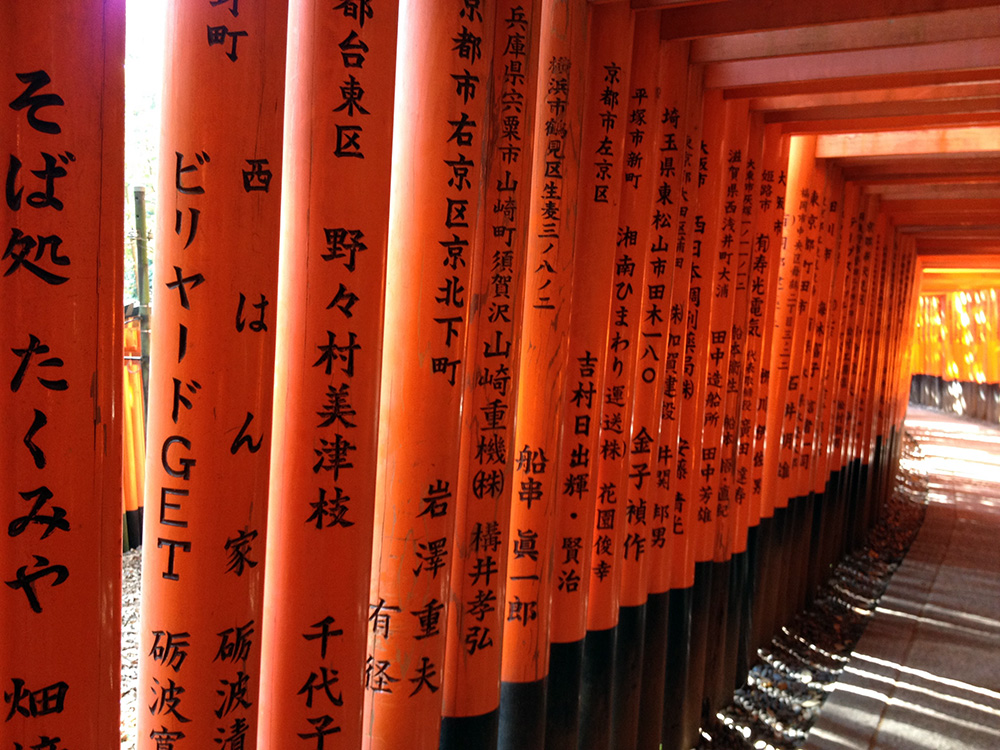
(716, 688)
(734, 626)
(596, 688)
(654, 669)
(746, 649)
(562, 727)
(522, 715)
(694, 699)
(467, 732)
(629, 659)
(133, 526)
(675, 734)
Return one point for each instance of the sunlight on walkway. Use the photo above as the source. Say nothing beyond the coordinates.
(926, 673)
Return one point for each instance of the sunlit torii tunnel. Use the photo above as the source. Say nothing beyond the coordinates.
(513, 371)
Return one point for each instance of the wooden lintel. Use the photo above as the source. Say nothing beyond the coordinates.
(931, 261)
(889, 80)
(923, 167)
(949, 25)
(977, 139)
(928, 192)
(943, 92)
(876, 124)
(859, 112)
(738, 16)
(967, 54)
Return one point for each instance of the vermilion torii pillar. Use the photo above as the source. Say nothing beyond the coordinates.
(61, 131)
(542, 374)
(639, 312)
(483, 496)
(653, 407)
(578, 505)
(440, 142)
(335, 225)
(213, 330)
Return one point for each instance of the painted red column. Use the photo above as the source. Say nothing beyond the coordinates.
(672, 270)
(727, 335)
(586, 509)
(525, 607)
(705, 380)
(777, 467)
(474, 631)
(738, 395)
(593, 463)
(335, 223)
(768, 239)
(657, 364)
(213, 328)
(61, 130)
(440, 141)
(677, 415)
(826, 467)
(643, 274)
(680, 391)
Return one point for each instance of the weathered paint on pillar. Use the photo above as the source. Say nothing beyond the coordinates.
(61, 128)
(335, 195)
(212, 367)
(440, 141)
(472, 679)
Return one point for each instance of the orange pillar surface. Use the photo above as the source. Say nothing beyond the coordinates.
(335, 195)
(61, 128)
(820, 274)
(474, 632)
(805, 210)
(726, 338)
(742, 192)
(769, 224)
(213, 331)
(440, 142)
(705, 408)
(843, 413)
(836, 321)
(543, 373)
(641, 309)
(662, 339)
(133, 434)
(777, 456)
(590, 475)
(679, 392)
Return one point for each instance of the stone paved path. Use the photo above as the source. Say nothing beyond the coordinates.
(926, 673)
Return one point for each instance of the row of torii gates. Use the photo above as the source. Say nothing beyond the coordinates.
(508, 396)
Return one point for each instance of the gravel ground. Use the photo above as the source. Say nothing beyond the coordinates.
(131, 586)
(786, 686)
